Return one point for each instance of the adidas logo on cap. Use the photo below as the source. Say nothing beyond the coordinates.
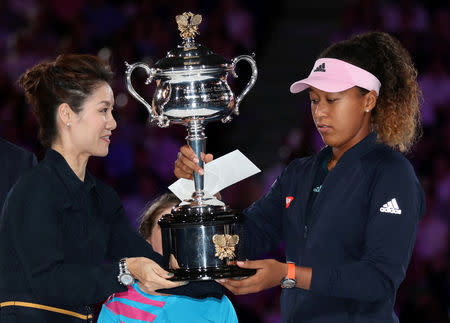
(320, 68)
(391, 207)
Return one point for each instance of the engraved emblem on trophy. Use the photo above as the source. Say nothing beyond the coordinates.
(202, 234)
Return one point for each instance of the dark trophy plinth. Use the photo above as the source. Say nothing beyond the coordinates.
(201, 244)
(202, 237)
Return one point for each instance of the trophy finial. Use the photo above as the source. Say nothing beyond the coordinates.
(188, 24)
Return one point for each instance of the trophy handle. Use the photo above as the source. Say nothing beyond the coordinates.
(250, 83)
(163, 121)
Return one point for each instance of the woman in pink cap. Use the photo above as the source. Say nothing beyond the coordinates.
(348, 215)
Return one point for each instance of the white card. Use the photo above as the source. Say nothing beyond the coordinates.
(219, 174)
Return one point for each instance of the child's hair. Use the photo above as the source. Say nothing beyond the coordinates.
(148, 219)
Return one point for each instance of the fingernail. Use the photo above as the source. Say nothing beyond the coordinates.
(221, 280)
(170, 274)
(201, 172)
(196, 160)
(240, 263)
(184, 283)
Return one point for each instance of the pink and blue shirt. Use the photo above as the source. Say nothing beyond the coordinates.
(136, 306)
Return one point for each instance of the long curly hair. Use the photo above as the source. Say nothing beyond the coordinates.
(396, 116)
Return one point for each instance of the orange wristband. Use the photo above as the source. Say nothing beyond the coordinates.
(291, 271)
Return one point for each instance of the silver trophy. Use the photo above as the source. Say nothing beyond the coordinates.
(201, 236)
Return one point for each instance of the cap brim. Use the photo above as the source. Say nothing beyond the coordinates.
(324, 84)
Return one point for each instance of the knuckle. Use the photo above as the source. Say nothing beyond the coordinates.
(183, 162)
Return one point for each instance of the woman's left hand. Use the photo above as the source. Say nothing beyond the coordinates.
(269, 274)
(151, 276)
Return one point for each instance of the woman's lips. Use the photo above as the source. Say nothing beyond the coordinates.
(106, 138)
(323, 128)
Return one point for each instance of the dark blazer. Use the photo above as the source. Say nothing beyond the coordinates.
(56, 232)
(14, 161)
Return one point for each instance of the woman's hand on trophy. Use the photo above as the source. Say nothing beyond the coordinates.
(187, 163)
(269, 273)
(150, 275)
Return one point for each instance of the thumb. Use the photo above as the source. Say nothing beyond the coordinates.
(251, 264)
(162, 273)
(207, 157)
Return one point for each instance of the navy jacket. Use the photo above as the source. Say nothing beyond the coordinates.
(360, 235)
(56, 233)
(14, 161)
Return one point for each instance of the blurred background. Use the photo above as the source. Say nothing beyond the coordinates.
(274, 126)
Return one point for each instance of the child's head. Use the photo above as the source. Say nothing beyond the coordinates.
(148, 227)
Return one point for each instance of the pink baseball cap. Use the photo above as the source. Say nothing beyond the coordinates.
(334, 75)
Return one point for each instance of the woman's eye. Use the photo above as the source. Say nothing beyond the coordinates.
(104, 110)
(313, 101)
(331, 100)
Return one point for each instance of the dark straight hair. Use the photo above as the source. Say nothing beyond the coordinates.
(70, 79)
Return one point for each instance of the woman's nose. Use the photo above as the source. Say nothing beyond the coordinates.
(320, 109)
(111, 124)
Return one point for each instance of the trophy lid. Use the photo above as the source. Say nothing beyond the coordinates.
(190, 55)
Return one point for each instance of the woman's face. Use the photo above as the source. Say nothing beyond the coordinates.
(156, 239)
(91, 130)
(341, 117)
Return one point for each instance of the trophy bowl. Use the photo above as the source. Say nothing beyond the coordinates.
(202, 237)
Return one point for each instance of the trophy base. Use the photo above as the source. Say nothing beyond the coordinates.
(202, 243)
(211, 273)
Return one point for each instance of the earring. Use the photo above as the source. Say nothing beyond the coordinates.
(68, 124)
(367, 110)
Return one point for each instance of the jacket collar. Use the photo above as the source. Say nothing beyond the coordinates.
(352, 154)
(63, 169)
(355, 152)
(360, 149)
